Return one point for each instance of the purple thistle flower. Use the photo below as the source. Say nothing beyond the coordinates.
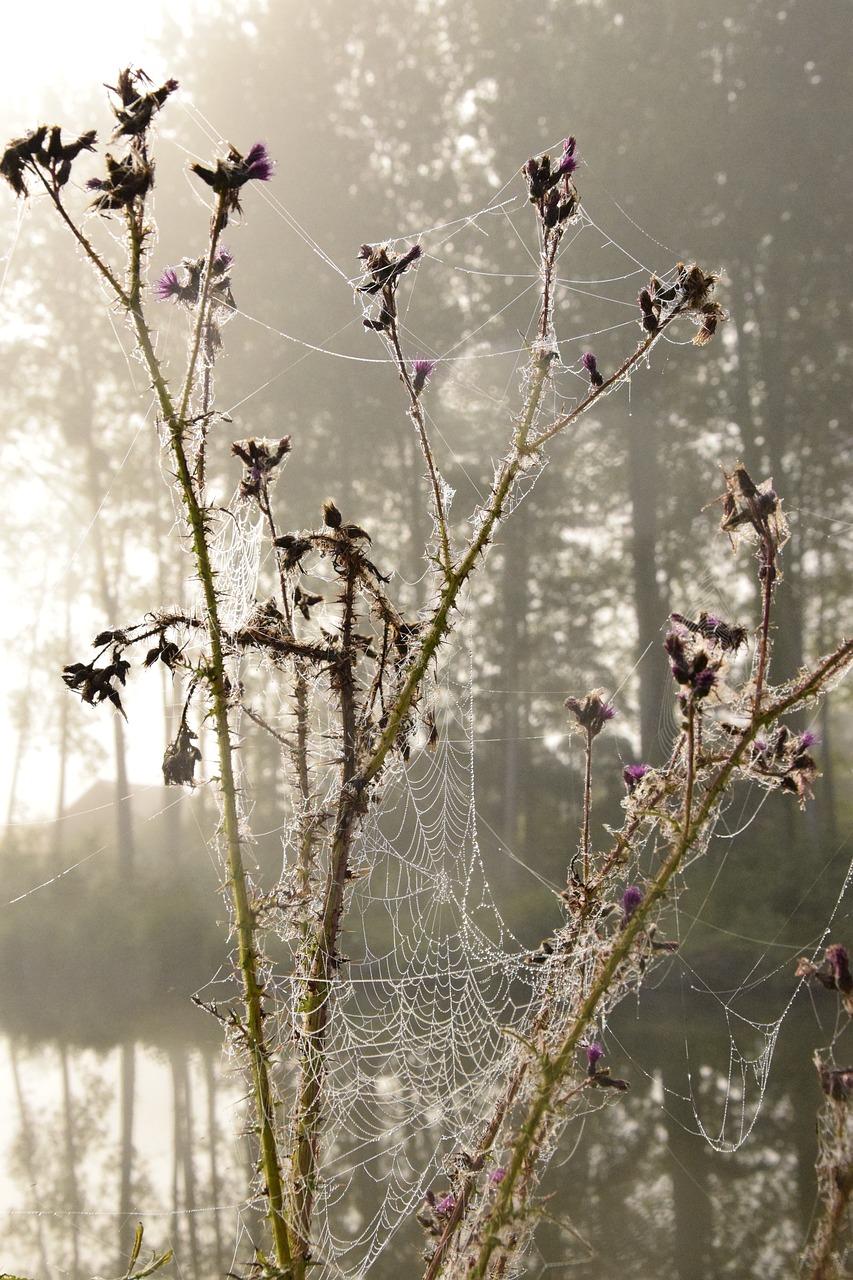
(703, 682)
(631, 899)
(223, 261)
(258, 165)
(807, 739)
(633, 774)
(568, 161)
(496, 1176)
(232, 173)
(421, 370)
(168, 286)
(445, 1206)
(589, 363)
(594, 1054)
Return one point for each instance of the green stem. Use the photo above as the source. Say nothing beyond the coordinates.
(322, 960)
(528, 1137)
(244, 920)
(627, 366)
(456, 577)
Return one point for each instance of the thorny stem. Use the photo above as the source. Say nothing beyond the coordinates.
(85, 244)
(769, 566)
(299, 749)
(244, 920)
(508, 1203)
(321, 961)
(267, 513)
(690, 770)
(824, 1256)
(587, 804)
(549, 257)
(458, 574)
(571, 416)
(203, 308)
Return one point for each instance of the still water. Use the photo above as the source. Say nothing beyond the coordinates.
(118, 1104)
(93, 1142)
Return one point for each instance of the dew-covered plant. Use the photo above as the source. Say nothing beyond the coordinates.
(367, 662)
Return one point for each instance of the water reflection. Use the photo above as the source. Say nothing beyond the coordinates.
(117, 1106)
(93, 1142)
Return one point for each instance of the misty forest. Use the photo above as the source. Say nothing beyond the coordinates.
(428, 829)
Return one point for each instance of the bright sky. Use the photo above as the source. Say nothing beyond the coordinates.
(80, 44)
(46, 47)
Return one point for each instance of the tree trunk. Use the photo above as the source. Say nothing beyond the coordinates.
(643, 488)
(126, 1105)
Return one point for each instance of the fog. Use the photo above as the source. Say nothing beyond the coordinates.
(703, 135)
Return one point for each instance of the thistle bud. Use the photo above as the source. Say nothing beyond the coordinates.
(332, 517)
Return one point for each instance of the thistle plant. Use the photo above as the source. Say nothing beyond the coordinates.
(367, 660)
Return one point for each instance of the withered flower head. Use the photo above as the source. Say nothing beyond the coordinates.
(650, 310)
(332, 517)
(19, 156)
(260, 458)
(383, 267)
(181, 758)
(551, 189)
(836, 1082)
(691, 665)
(127, 178)
(54, 159)
(838, 958)
(136, 110)
(753, 511)
(95, 684)
(591, 712)
(292, 549)
(785, 762)
(711, 315)
(694, 284)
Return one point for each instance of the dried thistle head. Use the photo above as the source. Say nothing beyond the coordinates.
(332, 517)
(753, 511)
(694, 285)
(711, 314)
(591, 712)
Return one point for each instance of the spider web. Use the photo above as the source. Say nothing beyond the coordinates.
(432, 975)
